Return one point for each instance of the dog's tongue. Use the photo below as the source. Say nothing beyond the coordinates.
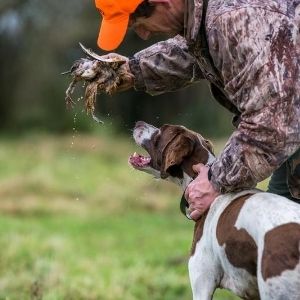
(139, 161)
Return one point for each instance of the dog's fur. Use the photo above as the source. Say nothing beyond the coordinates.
(247, 242)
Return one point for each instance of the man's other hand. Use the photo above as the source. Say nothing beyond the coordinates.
(200, 193)
(127, 79)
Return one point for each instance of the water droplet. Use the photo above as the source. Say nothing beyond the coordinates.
(97, 119)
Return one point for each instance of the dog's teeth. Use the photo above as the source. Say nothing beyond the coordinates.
(135, 154)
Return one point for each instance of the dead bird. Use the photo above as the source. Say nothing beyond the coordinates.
(98, 74)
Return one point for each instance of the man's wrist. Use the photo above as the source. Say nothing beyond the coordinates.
(217, 187)
(134, 66)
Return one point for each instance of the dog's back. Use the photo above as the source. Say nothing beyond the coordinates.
(274, 224)
(252, 242)
(248, 242)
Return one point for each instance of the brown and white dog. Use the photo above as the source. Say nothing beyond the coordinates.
(247, 242)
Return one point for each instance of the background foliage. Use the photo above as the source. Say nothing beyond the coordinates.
(39, 40)
(76, 222)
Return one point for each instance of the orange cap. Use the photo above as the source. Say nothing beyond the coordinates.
(115, 19)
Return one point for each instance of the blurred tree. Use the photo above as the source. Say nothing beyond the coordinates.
(39, 40)
(9, 4)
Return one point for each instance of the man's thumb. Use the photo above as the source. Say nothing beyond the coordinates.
(197, 168)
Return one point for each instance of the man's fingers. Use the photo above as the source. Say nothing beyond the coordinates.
(195, 215)
(197, 168)
(113, 55)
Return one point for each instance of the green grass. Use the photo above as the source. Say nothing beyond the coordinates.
(76, 222)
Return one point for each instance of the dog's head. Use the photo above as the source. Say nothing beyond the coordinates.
(172, 149)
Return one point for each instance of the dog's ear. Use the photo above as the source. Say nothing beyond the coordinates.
(174, 154)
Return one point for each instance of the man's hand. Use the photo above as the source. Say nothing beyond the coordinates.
(127, 80)
(200, 193)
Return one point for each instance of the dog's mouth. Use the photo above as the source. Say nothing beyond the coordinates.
(139, 161)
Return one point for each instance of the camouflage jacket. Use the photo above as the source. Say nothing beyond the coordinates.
(255, 50)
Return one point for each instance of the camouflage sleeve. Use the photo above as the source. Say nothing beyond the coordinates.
(258, 55)
(164, 67)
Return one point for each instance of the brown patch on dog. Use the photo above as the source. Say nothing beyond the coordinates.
(175, 149)
(198, 232)
(198, 155)
(181, 146)
(240, 247)
(281, 250)
(180, 149)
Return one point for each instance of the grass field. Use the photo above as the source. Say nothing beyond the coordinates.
(78, 223)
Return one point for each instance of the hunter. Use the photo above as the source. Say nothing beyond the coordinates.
(249, 52)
